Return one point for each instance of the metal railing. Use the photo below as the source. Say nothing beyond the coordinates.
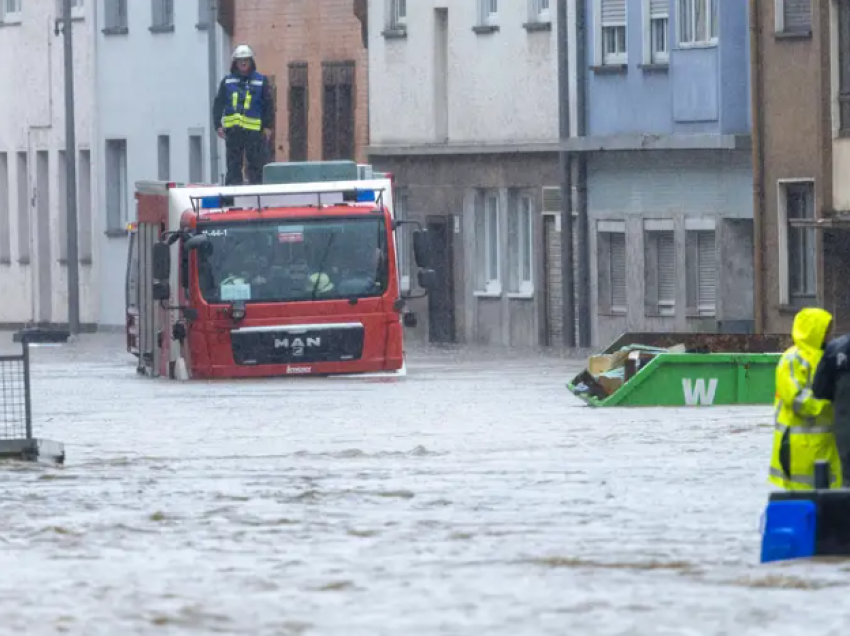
(15, 404)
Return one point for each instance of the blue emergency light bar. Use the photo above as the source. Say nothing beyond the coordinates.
(211, 203)
(356, 195)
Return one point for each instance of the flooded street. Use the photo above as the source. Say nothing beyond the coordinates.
(474, 496)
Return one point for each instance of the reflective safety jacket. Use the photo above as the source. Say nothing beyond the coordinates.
(244, 102)
(803, 431)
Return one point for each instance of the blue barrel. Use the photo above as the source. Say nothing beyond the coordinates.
(790, 530)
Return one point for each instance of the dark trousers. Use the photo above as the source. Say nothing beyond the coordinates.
(247, 146)
(841, 409)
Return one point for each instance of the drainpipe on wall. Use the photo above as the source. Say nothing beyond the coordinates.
(567, 274)
(584, 321)
(758, 165)
(212, 63)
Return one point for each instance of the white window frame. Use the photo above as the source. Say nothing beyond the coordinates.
(700, 225)
(398, 12)
(606, 229)
(782, 227)
(540, 10)
(652, 55)
(712, 28)
(11, 11)
(522, 252)
(664, 308)
(779, 19)
(618, 58)
(489, 11)
(491, 280)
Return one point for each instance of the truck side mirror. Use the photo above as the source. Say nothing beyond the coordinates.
(161, 261)
(197, 241)
(421, 248)
(427, 278)
(161, 290)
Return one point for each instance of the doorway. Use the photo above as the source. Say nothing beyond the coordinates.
(441, 308)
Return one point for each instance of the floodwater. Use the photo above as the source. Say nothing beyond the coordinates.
(475, 496)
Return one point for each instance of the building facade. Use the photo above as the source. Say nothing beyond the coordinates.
(153, 113)
(33, 229)
(464, 114)
(667, 151)
(316, 57)
(801, 78)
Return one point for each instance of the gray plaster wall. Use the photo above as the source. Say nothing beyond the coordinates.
(445, 186)
(634, 187)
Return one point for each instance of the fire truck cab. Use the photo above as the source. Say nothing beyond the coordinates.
(298, 277)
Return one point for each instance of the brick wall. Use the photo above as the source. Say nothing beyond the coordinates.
(314, 31)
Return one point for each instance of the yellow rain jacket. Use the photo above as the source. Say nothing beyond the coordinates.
(803, 431)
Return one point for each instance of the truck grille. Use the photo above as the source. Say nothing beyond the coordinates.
(297, 343)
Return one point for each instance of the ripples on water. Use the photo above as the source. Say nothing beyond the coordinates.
(473, 497)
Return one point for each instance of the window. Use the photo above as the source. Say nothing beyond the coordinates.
(196, 158)
(612, 32)
(11, 10)
(61, 200)
(489, 10)
(337, 110)
(298, 111)
(162, 15)
(520, 247)
(611, 267)
(163, 155)
(701, 270)
(116, 185)
(656, 38)
(698, 21)
(203, 14)
(402, 212)
(793, 16)
(542, 9)
(798, 201)
(487, 241)
(843, 9)
(84, 236)
(5, 215)
(399, 12)
(660, 268)
(115, 18)
(23, 184)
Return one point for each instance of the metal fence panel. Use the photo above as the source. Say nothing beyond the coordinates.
(15, 408)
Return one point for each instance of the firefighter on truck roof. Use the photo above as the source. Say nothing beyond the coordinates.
(244, 111)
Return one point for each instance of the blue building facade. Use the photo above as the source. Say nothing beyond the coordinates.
(666, 149)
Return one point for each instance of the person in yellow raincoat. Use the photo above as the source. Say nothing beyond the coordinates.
(803, 425)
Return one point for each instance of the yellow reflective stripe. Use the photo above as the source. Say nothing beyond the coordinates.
(247, 100)
(250, 123)
(802, 429)
(802, 480)
(235, 99)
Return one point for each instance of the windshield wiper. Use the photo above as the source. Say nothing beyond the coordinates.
(321, 269)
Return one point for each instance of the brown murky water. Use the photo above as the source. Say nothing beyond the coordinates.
(475, 496)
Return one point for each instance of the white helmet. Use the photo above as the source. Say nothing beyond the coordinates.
(242, 52)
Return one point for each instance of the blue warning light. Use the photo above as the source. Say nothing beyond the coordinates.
(365, 196)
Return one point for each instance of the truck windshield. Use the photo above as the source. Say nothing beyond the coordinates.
(285, 261)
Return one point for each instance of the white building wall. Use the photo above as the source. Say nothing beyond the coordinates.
(502, 86)
(149, 84)
(32, 119)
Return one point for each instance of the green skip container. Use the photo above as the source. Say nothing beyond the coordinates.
(713, 370)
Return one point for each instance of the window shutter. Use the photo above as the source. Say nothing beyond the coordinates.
(617, 245)
(666, 267)
(659, 8)
(613, 12)
(707, 258)
(798, 15)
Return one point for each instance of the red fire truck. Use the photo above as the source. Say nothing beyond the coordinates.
(288, 278)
